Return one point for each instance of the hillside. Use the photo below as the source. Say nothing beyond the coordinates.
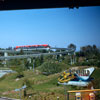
(39, 86)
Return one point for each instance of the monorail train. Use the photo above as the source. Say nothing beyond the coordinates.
(32, 47)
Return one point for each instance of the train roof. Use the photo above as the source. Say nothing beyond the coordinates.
(32, 45)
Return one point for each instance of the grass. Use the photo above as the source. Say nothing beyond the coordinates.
(40, 83)
(42, 86)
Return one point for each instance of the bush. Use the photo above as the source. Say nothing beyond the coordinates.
(98, 64)
(50, 67)
(28, 83)
(19, 70)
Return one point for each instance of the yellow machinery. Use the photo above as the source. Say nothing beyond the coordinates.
(65, 77)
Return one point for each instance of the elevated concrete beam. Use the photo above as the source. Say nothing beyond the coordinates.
(31, 55)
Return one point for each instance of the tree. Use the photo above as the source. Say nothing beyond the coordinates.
(94, 47)
(90, 54)
(72, 46)
(9, 48)
(21, 52)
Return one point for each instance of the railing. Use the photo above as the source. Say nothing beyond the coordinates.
(82, 91)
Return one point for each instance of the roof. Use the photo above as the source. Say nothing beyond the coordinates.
(40, 4)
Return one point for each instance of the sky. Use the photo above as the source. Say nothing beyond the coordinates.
(57, 27)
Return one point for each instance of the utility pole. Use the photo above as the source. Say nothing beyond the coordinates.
(33, 64)
(20, 94)
(65, 92)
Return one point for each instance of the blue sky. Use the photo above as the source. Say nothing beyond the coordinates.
(57, 27)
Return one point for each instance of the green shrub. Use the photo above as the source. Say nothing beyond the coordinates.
(98, 64)
(51, 67)
(19, 70)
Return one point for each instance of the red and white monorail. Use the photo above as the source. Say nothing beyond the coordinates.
(32, 47)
